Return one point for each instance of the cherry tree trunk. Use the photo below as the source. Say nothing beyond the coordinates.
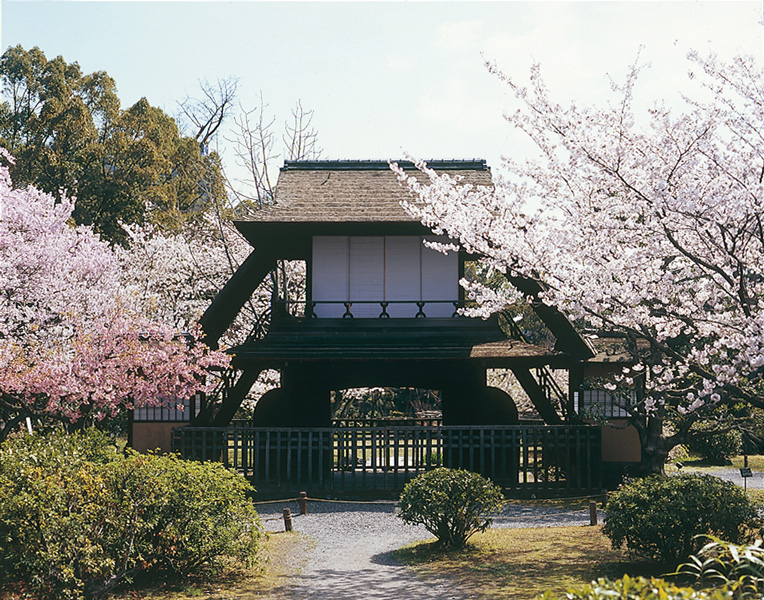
(655, 447)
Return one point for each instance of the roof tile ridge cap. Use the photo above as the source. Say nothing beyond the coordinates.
(475, 164)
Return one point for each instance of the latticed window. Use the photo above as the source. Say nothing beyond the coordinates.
(600, 403)
(156, 414)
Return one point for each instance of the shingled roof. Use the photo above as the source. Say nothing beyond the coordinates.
(394, 339)
(334, 191)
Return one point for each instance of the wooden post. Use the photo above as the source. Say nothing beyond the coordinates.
(287, 519)
(303, 500)
(592, 512)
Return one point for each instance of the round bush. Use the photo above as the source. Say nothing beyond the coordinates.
(76, 518)
(452, 504)
(658, 517)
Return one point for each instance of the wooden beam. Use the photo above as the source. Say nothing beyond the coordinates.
(229, 301)
(537, 396)
(568, 339)
(235, 397)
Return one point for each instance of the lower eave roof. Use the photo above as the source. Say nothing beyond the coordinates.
(393, 340)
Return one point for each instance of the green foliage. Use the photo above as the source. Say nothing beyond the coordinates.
(717, 448)
(67, 132)
(737, 568)
(76, 518)
(452, 504)
(638, 588)
(659, 517)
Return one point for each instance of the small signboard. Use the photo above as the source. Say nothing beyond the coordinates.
(746, 472)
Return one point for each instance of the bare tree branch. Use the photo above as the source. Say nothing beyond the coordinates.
(207, 113)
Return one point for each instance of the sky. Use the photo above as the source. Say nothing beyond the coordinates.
(384, 78)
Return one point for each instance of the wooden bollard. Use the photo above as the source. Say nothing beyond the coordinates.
(592, 512)
(303, 500)
(287, 519)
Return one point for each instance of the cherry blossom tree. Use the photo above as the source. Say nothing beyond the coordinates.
(172, 277)
(70, 346)
(642, 222)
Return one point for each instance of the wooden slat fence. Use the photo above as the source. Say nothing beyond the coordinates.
(542, 460)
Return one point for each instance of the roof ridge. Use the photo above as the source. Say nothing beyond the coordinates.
(439, 164)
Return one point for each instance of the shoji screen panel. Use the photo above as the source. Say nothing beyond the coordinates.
(367, 275)
(367, 270)
(330, 274)
(403, 274)
(440, 280)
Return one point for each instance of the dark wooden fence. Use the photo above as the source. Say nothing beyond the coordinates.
(542, 460)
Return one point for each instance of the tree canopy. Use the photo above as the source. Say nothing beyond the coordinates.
(140, 182)
(71, 347)
(642, 222)
(69, 135)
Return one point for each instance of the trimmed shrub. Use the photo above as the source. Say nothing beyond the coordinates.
(452, 504)
(50, 495)
(76, 518)
(659, 517)
(628, 588)
(182, 516)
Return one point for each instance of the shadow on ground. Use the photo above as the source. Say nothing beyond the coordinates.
(385, 579)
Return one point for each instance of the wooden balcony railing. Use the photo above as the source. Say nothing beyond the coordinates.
(380, 309)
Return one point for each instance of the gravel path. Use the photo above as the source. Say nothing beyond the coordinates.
(756, 481)
(354, 543)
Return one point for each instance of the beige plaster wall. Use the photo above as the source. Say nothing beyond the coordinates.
(153, 436)
(620, 445)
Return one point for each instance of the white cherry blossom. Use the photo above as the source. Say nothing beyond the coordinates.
(640, 221)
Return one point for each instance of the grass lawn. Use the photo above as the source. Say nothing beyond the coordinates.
(523, 563)
(755, 462)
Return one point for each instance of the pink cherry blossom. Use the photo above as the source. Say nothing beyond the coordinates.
(173, 277)
(72, 343)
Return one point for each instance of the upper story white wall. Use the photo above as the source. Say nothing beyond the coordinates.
(382, 268)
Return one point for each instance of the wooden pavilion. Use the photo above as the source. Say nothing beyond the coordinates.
(381, 308)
